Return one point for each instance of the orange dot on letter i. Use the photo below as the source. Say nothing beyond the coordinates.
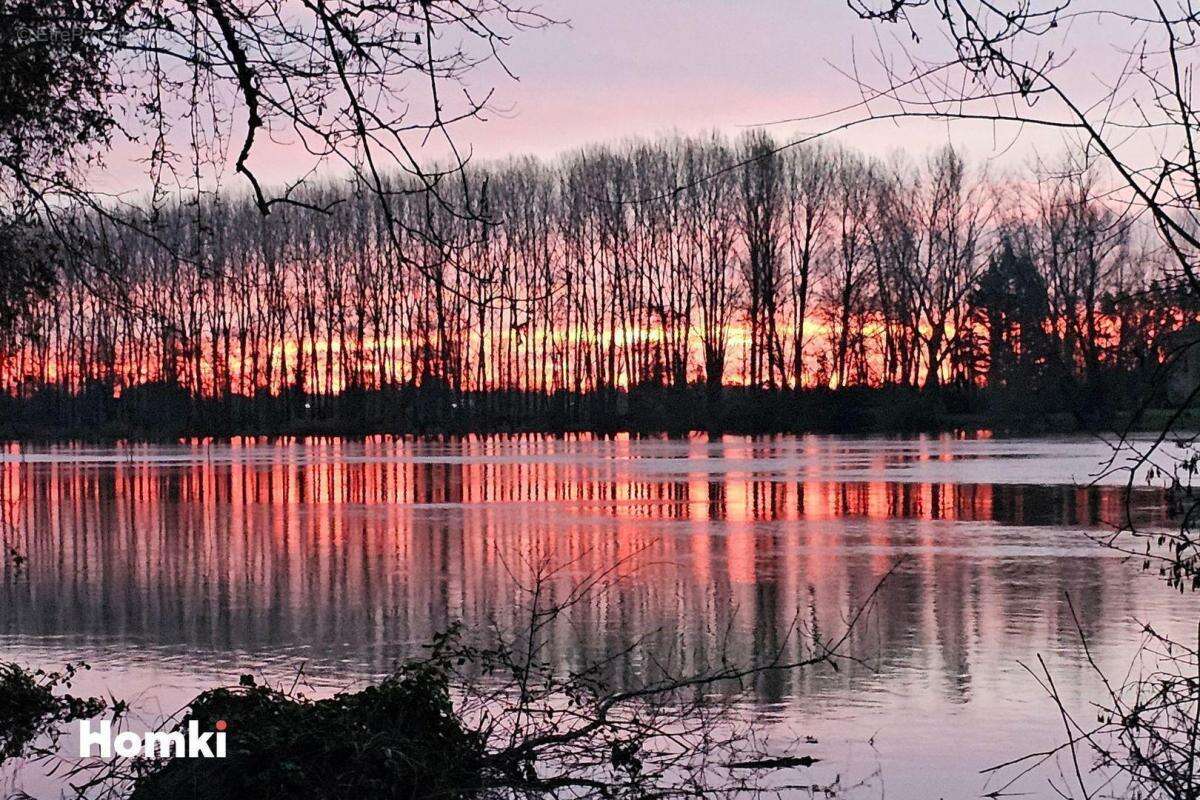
(221, 726)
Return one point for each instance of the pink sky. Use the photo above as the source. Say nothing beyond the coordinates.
(640, 68)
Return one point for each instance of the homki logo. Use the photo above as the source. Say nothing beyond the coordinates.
(154, 744)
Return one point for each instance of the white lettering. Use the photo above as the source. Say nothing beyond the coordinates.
(156, 744)
(198, 742)
(161, 745)
(128, 744)
(100, 738)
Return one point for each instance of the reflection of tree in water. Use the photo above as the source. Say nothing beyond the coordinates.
(282, 551)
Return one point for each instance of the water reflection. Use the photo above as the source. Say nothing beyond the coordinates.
(261, 552)
(349, 555)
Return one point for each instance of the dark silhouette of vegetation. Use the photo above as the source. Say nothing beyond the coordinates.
(397, 739)
(33, 705)
(159, 413)
(54, 116)
(193, 90)
(1004, 65)
(654, 295)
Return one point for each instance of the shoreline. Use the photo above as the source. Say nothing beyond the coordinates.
(162, 412)
(962, 424)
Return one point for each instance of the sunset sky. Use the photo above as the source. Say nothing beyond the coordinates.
(629, 68)
(639, 69)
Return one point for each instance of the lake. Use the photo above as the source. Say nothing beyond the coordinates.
(174, 568)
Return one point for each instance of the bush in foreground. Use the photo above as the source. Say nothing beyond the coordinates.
(31, 706)
(397, 739)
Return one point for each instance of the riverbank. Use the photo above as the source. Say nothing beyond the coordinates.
(158, 412)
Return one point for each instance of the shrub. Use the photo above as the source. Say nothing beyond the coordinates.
(30, 708)
(397, 739)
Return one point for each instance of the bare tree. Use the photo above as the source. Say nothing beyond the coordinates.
(1005, 65)
(809, 174)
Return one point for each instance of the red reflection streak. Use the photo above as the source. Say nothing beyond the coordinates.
(373, 546)
(339, 528)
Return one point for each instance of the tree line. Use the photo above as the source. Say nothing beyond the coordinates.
(692, 264)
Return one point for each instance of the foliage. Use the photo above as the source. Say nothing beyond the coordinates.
(56, 83)
(397, 739)
(32, 706)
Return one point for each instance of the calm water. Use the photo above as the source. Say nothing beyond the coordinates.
(171, 569)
